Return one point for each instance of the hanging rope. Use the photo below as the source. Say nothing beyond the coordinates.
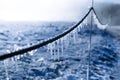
(98, 17)
(24, 50)
(41, 44)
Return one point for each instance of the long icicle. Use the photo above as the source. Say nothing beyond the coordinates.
(6, 69)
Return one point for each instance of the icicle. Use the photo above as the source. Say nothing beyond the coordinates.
(48, 48)
(6, 69)
(62, 48)
(54, 51)
(16, 65)
(79, 28)
(66, 41)
(82, 25)
(58, 54)
(69, 39)
(16, 47)
(58, 49)
(51, 48)
(14, 61)
(75, 36)
(77, 31)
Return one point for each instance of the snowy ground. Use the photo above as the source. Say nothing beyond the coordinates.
(68, 59)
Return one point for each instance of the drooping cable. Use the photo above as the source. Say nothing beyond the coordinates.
(41, 44)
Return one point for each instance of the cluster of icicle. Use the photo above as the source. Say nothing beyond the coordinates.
(56, 48)
(15, 59)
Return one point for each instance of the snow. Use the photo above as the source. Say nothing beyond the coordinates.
(64, 59)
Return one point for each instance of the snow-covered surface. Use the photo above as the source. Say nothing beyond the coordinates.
(66, 59)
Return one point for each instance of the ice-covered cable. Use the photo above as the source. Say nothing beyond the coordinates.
(45, 42)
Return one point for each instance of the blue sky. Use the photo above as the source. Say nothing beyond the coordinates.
(44, 10)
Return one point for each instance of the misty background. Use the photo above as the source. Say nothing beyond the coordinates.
(58, 10)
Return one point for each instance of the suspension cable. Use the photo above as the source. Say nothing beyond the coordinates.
(41, 44)
(97, 17)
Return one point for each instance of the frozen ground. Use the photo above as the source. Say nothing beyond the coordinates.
(67, 60)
